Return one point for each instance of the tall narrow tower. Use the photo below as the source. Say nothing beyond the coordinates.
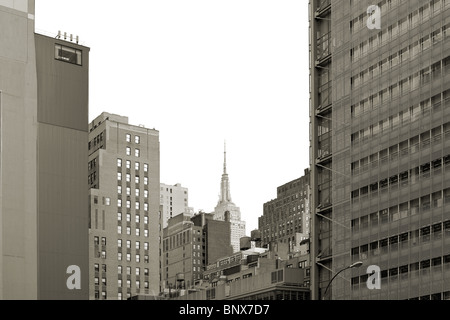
(225, 204)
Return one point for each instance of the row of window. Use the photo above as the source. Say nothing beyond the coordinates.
(403, 26)
(405, 240)
(128, 231)
(405, 270)
(137, 139)
(137, 205)
(137, 165)
(128, 257)
(360, 21)
(401, 211)
(405, 178)
(400, 57)
(410, 115)
(137, 218)
(404, 148)
(128, 244)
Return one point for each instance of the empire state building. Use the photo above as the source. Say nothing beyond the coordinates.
(225, 204)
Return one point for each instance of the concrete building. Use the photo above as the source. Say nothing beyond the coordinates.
(188, 244)
(225, 204)
(174, 201)
(43, 192)
(380, 152)
(286, 218)
(124, 239)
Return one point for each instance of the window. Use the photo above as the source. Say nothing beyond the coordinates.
(145, 193)
(129, 271)
(136, 153)
(146, 246)
(103, 241)
(146, 220)
(145, 167)
(96, 267)
(128, 257)
(138, 232)
(146, 273)
(138, 284)
(146, 181)
(128, 164)
(128, 217)
(136, 179)
(138, 271)
(119, 269)
(96, 241)
(67, 54)
(119, 162)
(128, 177)
(107, 201)
(128, 151)
(137, 139)
(138, 258)
(146, 206)
(119, 176)
(119, 229)
(137, 205)
(136, 166)
(138, 245)
(119, 256)
(128, 137)
(119, 189)
(137, 192)
(119, 283)
(146, 233)
(128, 230)
(128, 244)
(138, 218)
(119, 243)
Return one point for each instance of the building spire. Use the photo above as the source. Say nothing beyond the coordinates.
(225, 195)
(225, 158)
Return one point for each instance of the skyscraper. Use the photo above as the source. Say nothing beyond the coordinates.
(124, 238)
(226, 204)
(43, 193)
(380, 153)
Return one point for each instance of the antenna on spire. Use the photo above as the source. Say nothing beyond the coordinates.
(225, 158)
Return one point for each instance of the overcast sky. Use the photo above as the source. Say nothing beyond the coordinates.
(202, 72)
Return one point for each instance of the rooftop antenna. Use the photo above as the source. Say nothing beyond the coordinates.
(65, 35)
(77, 38)
(59, 35)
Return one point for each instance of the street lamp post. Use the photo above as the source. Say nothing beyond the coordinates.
(354, 265)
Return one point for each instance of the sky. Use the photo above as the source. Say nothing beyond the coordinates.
(202, 72)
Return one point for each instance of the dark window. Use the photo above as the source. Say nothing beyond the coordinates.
(67, 54)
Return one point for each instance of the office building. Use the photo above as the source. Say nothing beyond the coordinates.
(225, 204)
(188, 244)
(43, 193)
(286, 218)
(174, 201)
(380, 152)
(124, 238)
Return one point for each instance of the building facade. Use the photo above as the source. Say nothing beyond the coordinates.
(124, 238)
(286, 218)
(380, 165)
(174, 201)
(225, 205)
(253, 274)
(43, 195)
(188, 244)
